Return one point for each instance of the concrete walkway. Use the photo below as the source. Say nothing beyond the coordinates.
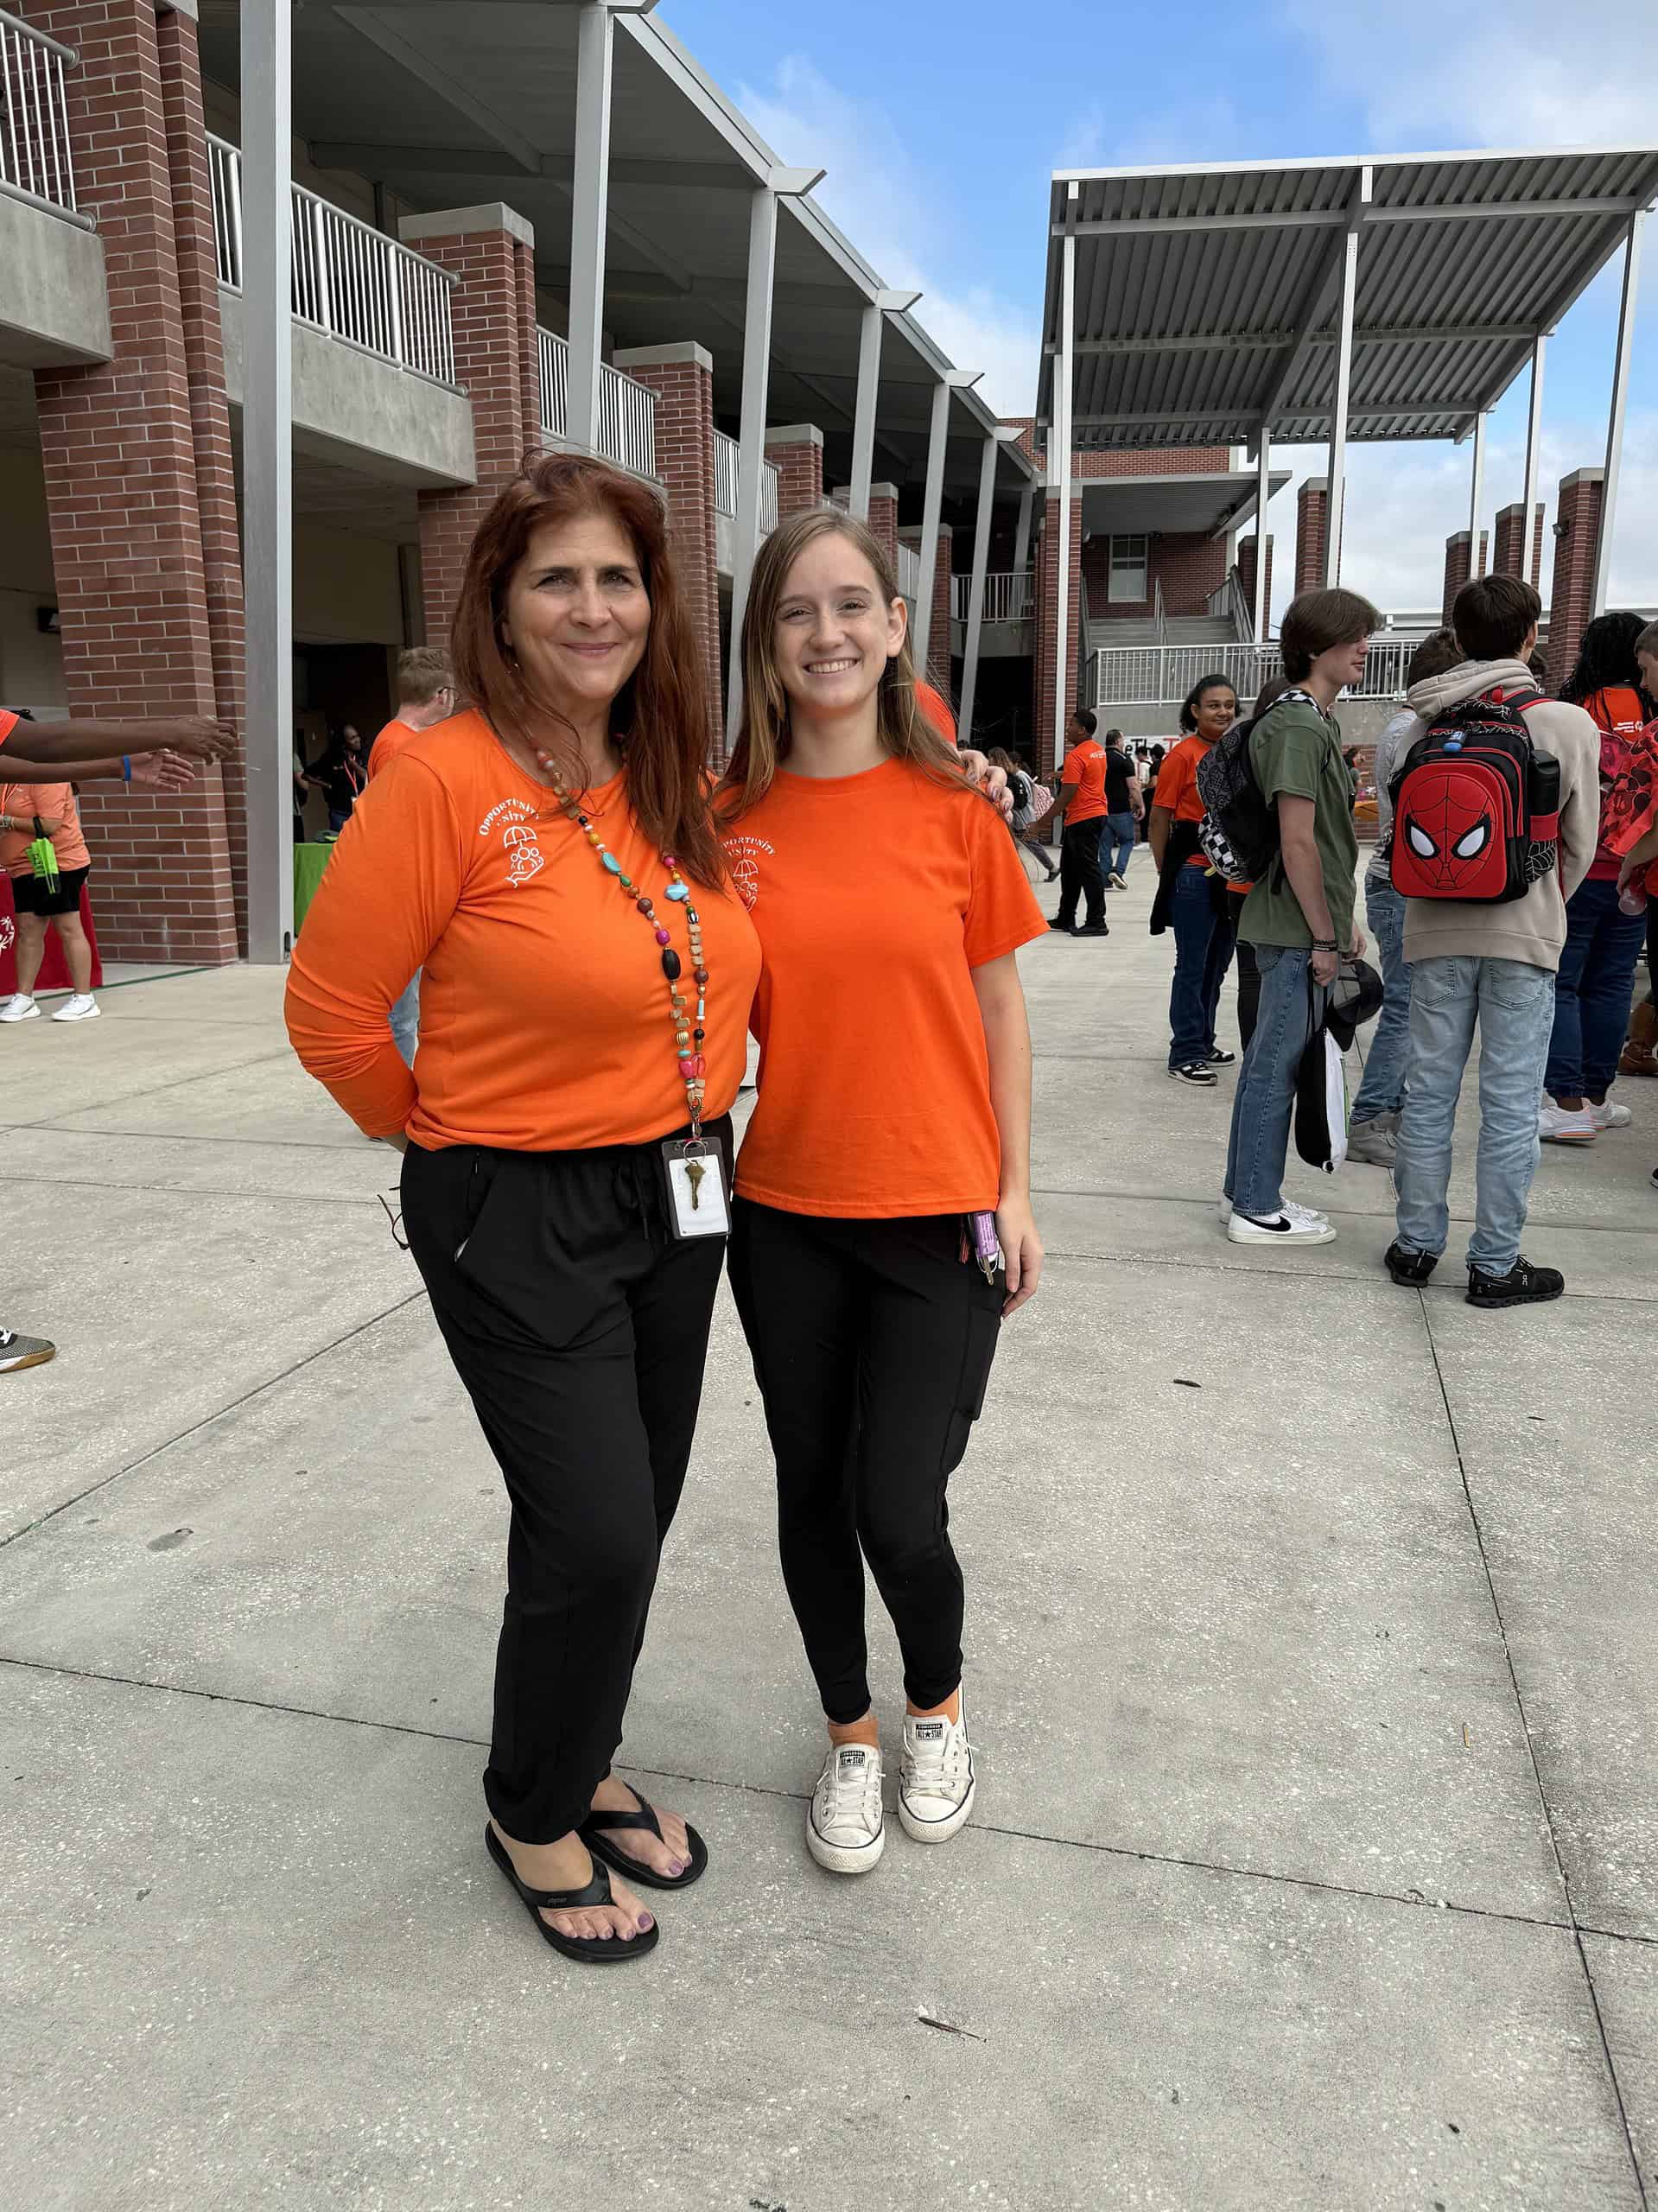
(1312, 1657)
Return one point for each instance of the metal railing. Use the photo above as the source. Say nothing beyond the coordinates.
(34, 156)
(1131, 675)
(348, 279)
(909, 572)
(727, 466)
(627, 408)
(1230, 602)
(1009, 596)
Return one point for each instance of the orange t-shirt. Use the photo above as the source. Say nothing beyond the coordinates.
(9, 722)
(543, 1009)
(934, 705)
(1084, 765)
(388, 744)
(25, 799)
(875, 897)
(1176, 787)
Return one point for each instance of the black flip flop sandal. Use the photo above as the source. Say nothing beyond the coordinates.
(635, 1869)
(590, 1950)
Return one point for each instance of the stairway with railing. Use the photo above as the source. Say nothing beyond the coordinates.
(35, 163)
(348, 279)
(1009, 596)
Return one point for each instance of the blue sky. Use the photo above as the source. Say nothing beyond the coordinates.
(938, 124)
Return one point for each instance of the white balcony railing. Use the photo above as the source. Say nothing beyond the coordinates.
(1131, 676)
(627, 409)
(34, 160)
(348, 279)
(727, 463)
(908, 573)
(1009, 596)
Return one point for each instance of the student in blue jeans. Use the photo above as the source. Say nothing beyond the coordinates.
(1489, 965)
(1191, 898)
(1124, 806)
(1300, 916)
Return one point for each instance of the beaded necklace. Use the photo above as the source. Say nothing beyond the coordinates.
(688, 1035)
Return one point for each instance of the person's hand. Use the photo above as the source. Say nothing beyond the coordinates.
(1022, 1251)
(1630, 870)
(164, 772)
(1326, 966)
(1356, 949)
(201, 739)
(992, 781)
(50, 823)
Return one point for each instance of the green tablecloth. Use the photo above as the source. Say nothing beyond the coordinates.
(309, 861)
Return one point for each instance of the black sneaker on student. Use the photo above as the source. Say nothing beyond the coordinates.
(1523, 1285)
(1220, 1058)
(1093, 928)
(1411, 1268)
(1195, 1072)
(1065, 928)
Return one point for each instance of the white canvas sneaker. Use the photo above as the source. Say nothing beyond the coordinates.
(936, 1780)
(83, 1007)
(19, 1008)
(1556, 1126)
(844, 1821)
(1609, 1115)
(1284, 1227)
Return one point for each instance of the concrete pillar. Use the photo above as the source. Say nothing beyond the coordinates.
(681, 376)
(1577, 539)
(883, 516)
(797, 450)
(1459, 565)
(126, 480)
(1311, 528)
(1046, 673)
(481, 245)
(938, 671)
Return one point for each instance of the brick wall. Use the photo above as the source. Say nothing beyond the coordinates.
(1189, 566)
(1247, 547)
(128, 497)
(883, 516)
(488, 307)
(1578, 520)
(1459, 555)
(797, 450)
(1312, 533)
(1509, 546)
(682, 378)
(1047, 628)
(937, 672)
(1124, 460)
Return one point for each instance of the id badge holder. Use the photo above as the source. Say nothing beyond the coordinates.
(697, 1188)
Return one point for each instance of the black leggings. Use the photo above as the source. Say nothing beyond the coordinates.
(580, 1328)
(1248, 974)
(872, 1342)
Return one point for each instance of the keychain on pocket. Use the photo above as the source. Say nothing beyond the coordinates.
(42, 857)
(980, 1231)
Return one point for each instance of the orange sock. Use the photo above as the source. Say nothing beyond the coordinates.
(866, 1731)
(950, 1710)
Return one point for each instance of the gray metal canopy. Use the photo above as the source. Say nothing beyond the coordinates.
(1207, 298)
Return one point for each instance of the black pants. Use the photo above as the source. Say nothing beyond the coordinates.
(1080, 872)
(580, 1328)
(872, 1342)
(1248, 974)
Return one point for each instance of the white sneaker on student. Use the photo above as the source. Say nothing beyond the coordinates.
(1556, 1126)
(1284, 1227)
(17, 1007)
(844, 1829)
(936, 1780)
(82, 1007)
(1609, 1115)
(1300, 1212)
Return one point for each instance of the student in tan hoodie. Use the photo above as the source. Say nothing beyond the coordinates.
(1494, 964)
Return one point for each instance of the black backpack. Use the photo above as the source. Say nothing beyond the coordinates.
(1239, 830)
(1024, 791)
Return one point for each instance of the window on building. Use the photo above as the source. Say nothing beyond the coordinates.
(1127, 568)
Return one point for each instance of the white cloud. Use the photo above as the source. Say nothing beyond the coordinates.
(874, 191)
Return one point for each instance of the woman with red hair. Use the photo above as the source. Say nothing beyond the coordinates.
(547, 860)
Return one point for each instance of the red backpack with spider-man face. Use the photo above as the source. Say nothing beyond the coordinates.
(1476, 807)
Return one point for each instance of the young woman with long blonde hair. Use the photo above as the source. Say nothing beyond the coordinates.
(888, 1156)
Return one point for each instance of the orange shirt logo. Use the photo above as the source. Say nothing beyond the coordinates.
(517, 821)
(744, 854)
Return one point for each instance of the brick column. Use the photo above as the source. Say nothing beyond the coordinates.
(936, 672)
(798, 449)
(681, 376)
(883, 516)
(1248, 549)
(139, 521)
(1484, 567)
(1312, 533)
(1047, 626)
(492, 345)
(1508, 551)
(1535, 573)
(1577, 530)
(1458, 559)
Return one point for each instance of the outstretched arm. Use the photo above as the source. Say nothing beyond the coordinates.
(164, 772)
(75, 744)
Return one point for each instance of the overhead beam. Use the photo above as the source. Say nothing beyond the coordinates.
(1220, 419)
(1331, 219)
(484, 162)
(1314, 305)
(1273, 341)
(366, 22)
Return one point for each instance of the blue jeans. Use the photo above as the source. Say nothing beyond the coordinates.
(1203, 953)
(1514, 1005)
(1382, 1090)
(405, 1020)
(1117, 843)
(1260, 1142)
(1592, 1001)
(338, 817)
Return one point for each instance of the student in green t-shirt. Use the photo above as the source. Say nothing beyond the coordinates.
(1299, 917)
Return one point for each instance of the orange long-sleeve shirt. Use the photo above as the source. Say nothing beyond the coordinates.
(544, 1020)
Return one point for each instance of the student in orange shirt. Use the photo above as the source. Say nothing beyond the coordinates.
(47, 902)
(890, 1146)
(1190, 898)
(1081, 797)
(548, 860)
